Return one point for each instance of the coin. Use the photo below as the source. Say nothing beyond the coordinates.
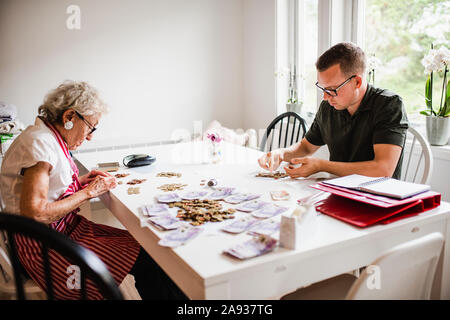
(169, 174)
(275, 175)
(172, 187)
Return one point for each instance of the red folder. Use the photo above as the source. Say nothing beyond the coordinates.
(362, 209)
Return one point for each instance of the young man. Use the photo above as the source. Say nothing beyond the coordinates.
(363, 127)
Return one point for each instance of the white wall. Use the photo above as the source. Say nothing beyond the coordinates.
(159, 64)
(259, 63)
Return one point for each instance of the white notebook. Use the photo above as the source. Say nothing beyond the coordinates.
(383, 186)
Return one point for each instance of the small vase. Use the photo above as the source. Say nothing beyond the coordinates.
(294, 107)
(215, 152)
(438, 130)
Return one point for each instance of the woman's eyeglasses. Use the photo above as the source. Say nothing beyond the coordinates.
(87, 123)
(333, 92)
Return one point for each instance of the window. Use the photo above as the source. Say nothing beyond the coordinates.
(307, 31)
(297, 52)
(398, 33)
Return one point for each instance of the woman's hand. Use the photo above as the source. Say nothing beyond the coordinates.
(271, 160)
(88, 178)
(99, 185)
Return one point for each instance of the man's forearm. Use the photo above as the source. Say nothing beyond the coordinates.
(367, 168)
(295, 151)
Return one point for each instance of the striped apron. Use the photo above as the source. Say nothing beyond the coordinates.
(115, 247)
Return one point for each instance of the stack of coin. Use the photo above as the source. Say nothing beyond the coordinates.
(172, 187)
(169, 174)
(136, 181)
(121, 175)
(132, 190)
(275, 175)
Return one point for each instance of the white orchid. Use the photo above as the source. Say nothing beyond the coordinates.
(436, 60)
(282, 72)
(373, 63)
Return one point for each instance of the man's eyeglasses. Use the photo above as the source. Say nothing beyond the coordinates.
(87, 123)
(333, 92)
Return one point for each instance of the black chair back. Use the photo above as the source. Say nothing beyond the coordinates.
(283, 133)
(91, 267)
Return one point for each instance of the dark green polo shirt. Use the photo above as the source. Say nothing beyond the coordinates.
(380, 119)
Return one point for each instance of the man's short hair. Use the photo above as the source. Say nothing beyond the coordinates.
(348, 55)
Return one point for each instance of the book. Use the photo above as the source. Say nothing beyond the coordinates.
(383, 186)
(363, 214)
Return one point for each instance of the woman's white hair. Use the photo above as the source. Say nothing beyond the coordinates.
(79, 96)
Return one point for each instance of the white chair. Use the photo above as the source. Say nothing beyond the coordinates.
(412, 161)
(405, 272)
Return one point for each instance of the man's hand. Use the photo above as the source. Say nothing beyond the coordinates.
(308, 166)
(271, 160)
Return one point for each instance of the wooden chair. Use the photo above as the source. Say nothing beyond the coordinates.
(417, 158)
(90, 265)
(294, 131)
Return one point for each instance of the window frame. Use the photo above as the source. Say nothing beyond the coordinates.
(338, 20)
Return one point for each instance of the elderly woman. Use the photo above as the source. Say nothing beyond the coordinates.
(40, 180)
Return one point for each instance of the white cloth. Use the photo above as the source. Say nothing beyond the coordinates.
(11, 127)
(36, 143)
(8, 110)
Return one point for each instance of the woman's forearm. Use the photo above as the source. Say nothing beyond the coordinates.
(34, 196)
(48, 212)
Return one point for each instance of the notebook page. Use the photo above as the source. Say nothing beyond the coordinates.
(396, 188)
(352, 181)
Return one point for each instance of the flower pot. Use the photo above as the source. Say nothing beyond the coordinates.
(293, 107)
(438, 130)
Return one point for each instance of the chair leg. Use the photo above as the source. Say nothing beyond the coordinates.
(128, 289)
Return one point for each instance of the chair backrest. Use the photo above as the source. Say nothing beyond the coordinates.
(404, 272)
(283, 133)
(417, 158)
(91, 267)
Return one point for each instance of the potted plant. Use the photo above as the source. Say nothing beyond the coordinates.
(372, 64)
(293, 104)
(437, 122)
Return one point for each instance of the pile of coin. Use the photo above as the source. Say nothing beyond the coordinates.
(275, 175)
(201, 211)
(121, 175)
(132, 190)
(136, 181)
(172, 187)
(169, 174)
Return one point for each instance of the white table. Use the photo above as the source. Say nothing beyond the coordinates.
(326, 247)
